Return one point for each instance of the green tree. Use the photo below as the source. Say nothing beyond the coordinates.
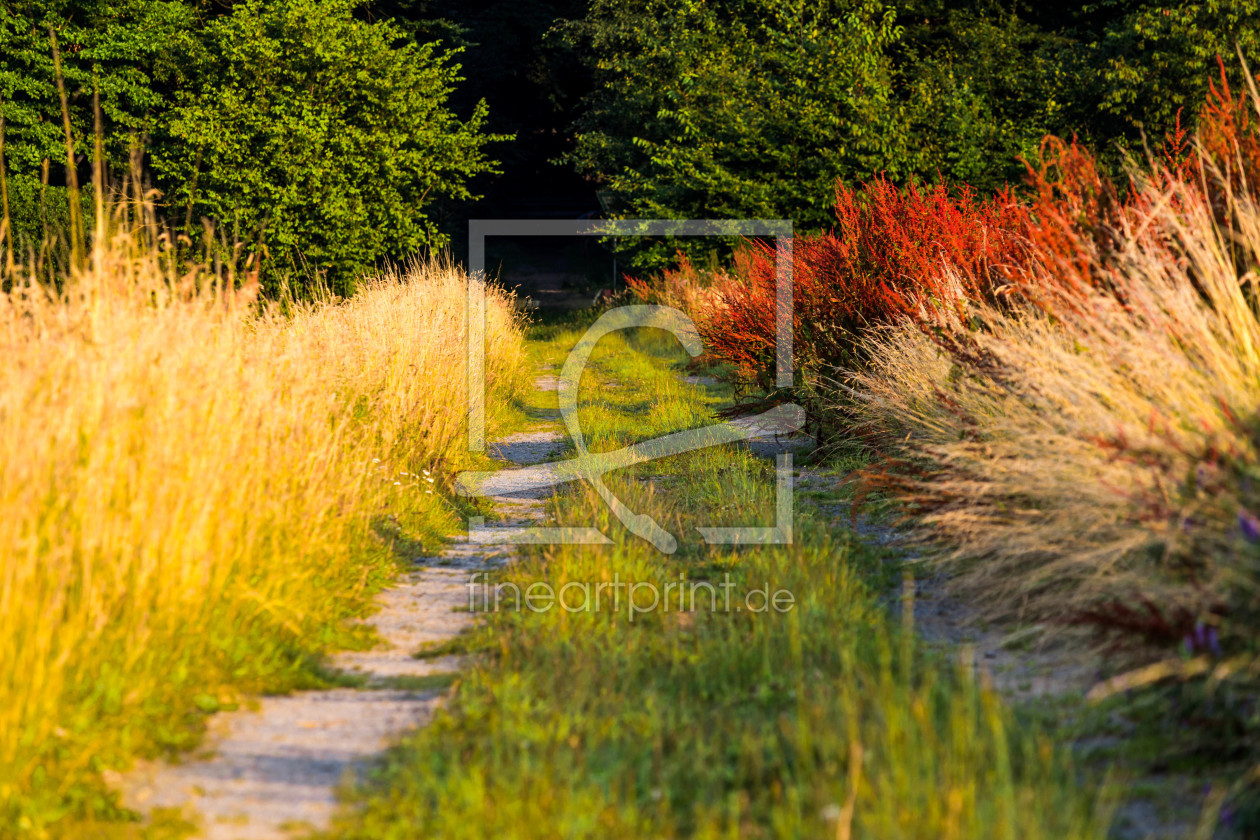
(324, 136)
(740, 109)
(1152, 60)
(126, 52)
(320, 139)
(980, 86)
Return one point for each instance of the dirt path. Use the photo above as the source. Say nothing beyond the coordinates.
(274, 770)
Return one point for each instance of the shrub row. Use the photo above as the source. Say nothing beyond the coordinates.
(1062, 385)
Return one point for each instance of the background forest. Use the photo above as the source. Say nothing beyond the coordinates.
(326, 137)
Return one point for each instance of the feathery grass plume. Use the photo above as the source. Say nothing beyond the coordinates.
(687, 286)
(1090, 449)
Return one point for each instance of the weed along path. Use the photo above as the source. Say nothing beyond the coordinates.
(758, 690)
(275, 770)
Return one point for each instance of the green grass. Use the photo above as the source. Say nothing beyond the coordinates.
(449, 647)
(825, 719)
(411, 682)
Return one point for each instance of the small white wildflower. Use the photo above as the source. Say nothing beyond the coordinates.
(428, 492)
(398, 484)
(831, 812)
(429, 480)
(426, 472)
(376, 460)
(656, 794)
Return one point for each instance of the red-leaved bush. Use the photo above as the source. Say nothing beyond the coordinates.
(918, 253)
(924, 252)
(893, 253)
(1229, 133)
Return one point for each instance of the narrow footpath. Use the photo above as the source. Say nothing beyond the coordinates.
(275, 770)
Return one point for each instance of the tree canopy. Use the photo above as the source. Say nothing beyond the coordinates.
(317, 137)
(318, 131)
(750, 108)
(699, 105)
(332, 135)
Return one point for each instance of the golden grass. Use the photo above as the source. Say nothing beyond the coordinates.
(1094, 457)
(189, 489)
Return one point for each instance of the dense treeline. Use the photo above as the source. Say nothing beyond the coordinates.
(331, 135)
(753, 108)
(316, 138)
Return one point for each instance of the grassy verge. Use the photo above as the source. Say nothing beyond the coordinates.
(1060, 388)
(710, 718)
(196, 493)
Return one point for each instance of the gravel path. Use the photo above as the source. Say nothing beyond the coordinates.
(274, 771)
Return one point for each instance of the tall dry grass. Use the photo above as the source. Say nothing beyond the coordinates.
(1092, 453)
(196, 492)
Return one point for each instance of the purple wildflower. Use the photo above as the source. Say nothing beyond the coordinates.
(1203, 638)
(1249, 525)
(1213, 641)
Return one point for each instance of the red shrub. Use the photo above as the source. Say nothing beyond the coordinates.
(1071, 224)
(922, 252)
(1229, 131)
(687, 286)
(893, 253)
(1077, 220)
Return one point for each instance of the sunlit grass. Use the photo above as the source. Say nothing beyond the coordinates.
(196, 493)
(824, 720)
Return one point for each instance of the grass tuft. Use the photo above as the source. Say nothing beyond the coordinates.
(191, 489)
